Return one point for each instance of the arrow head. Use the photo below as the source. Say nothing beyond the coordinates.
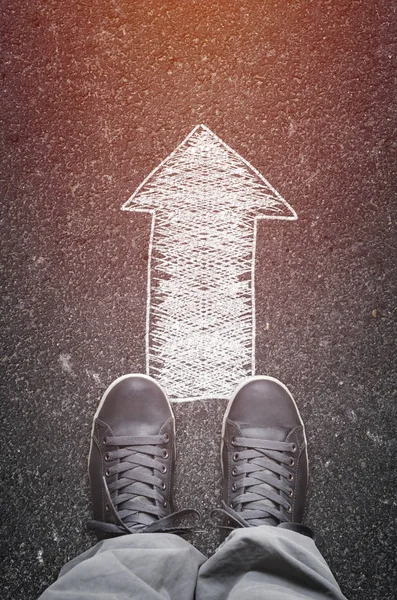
(205, 175)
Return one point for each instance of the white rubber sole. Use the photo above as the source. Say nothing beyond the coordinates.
(111, 386)
(242, 384)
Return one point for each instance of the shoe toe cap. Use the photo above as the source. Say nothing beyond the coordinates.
(134, 405)
(262, 403)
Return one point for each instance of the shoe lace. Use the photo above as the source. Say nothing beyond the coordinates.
(264, 465)
(134, 499)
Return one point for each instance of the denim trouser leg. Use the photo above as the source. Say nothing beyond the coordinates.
(266, 563)
(146, 566)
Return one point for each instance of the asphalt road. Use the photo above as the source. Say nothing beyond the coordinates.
(94, 95)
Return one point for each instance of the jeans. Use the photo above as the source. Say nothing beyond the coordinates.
(255, 563)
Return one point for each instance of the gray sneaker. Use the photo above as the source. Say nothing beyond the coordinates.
(264, 456)
(132, 458)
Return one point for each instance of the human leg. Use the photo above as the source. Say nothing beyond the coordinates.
(145, 566)
(131, 465)
(265, 469)
(264, 562)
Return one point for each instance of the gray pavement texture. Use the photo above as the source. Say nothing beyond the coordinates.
(94, 95)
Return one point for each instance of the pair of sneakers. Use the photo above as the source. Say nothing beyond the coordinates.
(132, 458)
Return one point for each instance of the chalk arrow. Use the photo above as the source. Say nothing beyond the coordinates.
(205, 201)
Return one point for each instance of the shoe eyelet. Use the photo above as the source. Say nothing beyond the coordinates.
(166, 437)
(107, 456)
(291, 462)
(165, 503)
(163, 469)
(165, 454)
(107, 472)
(290, 477)
(234, 471)
(293, 447)
(234, 487)
(104, 440)
(234, 442)
(235, 456)
(163, 486)
(290, 492)
(289, 509)
(107, 507)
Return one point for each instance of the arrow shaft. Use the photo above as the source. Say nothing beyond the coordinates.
(200, 327)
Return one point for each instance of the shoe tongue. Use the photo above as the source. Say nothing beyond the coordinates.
(274, 434)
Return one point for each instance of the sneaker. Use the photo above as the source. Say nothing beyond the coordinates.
(132, 458)
(264, 456)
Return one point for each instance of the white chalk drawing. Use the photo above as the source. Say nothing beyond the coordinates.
(205, 201)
